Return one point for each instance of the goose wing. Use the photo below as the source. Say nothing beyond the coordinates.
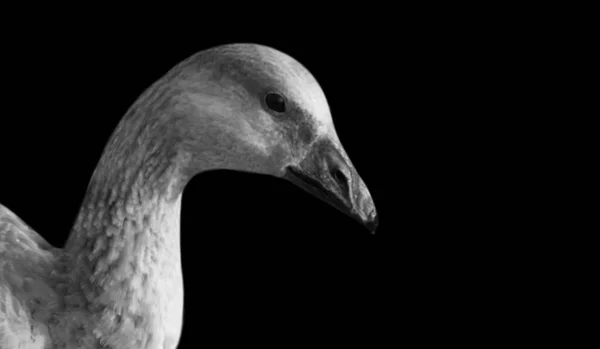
(26, 295)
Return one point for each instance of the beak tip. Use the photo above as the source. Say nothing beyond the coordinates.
(372, 222)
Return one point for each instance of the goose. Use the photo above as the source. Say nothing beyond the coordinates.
(117, 282)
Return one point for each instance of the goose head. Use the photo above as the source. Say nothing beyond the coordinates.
(252, 108)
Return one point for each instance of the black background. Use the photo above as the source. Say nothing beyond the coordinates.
(262, 259)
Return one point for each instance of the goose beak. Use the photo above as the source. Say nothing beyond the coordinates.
(325, 174)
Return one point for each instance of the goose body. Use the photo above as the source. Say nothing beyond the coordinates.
(117, 283)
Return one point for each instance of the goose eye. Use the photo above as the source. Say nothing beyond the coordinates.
(275, 102)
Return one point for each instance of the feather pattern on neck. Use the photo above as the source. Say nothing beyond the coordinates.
(124, 248)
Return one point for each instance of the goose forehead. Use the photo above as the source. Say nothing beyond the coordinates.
(260, 68)
(299, 85)
(307, 93)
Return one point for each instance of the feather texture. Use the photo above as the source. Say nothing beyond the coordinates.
(118, 284)
(27, 291)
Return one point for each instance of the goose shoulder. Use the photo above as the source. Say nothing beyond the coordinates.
(26, 294)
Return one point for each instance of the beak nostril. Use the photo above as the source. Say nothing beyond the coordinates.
(339, 177)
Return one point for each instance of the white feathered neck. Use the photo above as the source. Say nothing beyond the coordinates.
(124, 249)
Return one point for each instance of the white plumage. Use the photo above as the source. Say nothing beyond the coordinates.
(118, 281)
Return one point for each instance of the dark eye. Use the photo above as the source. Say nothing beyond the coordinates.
(275, 102)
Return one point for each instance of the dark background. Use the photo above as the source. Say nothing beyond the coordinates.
(415, 103)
